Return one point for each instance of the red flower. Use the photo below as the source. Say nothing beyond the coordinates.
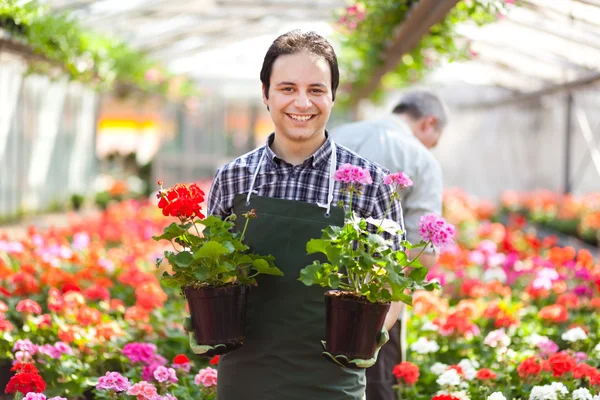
(406, 371)
(458, 369)
(70, 287)
(445, 397)
(6, 326)
(214, 360)
(561, 363)
(26, 380)
(584, 371)
(554, 313)
(485, 374)
(529, 367)
(181, 359)
(181, 201)
(29, 306)
(97, 292)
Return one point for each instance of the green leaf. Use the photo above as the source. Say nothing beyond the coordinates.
(418, 274)
(212, 250)
(432, 286)
(317, 246)
(169, 281)
(309, 275)
(172, 231)
(263, 267)
(182, 259)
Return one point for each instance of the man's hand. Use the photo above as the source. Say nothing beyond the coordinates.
(393, 314)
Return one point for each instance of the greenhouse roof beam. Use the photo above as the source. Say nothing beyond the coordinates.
(419, 20)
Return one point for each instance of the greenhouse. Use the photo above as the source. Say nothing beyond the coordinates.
(304, 200)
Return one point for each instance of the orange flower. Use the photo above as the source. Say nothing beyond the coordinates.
(137, 314)
(569, 300)
(149, 295)
(561, 255)
(555, 313)
(89, 316)
(109, 330)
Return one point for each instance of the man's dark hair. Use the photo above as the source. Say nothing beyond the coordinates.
(422, 103)
(297, 41)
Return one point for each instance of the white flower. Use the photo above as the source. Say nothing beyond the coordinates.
(469, 368)
(596, 397)
(497, 338)
(597, 348)
(496, 396)
(542, 393)
(430, 327)
(424, 346)
(582, 394)
(534, 339)
(449, 378)
(559, 387)
(439, 368)
(574, 334)
(494, 274)
(459, 394)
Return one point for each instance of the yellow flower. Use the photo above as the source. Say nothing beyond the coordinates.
(379, 270)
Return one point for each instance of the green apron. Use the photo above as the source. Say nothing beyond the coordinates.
(281, 356)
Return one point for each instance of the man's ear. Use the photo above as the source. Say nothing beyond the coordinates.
(264, 96)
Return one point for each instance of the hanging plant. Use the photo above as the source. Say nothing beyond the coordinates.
(366, 28)
(85, 56)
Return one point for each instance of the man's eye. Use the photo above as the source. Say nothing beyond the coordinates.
(287, 89)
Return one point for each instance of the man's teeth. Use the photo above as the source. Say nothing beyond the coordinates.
(300, 118)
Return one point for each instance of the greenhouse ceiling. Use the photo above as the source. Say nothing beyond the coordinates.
(536, 45)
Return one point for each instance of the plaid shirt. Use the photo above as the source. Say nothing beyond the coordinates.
(307, 182)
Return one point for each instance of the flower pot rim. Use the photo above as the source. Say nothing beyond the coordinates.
(346, 295)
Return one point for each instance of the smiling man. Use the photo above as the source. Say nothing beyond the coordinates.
(289, 182)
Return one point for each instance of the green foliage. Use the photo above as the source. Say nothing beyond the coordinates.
(216, 258)
(88, 57)
(365, 263)
(360, 57)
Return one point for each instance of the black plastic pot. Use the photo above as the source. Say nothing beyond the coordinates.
(353, 325)
(218, 315)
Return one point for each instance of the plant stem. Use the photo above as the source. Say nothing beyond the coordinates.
(387, 210)
(244, 231)
(195, 227)
(418, 255)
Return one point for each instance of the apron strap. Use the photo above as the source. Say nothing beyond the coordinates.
(254, 177)
(332, 167)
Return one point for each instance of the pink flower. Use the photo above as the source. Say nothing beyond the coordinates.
(349, 173)
(113, 381)
(25, 345)
(436, 230)
(57, 398)
(34, 396)
(497, 338)
(29, 306)
(163, 374)
(143, 391)
(50, 351)
(547, 348)
(140, 352)
(3, 307)
(400, 179)
(206, 377)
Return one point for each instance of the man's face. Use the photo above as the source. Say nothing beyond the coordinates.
(300, 98)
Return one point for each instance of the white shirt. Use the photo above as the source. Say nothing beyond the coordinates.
(390, 143)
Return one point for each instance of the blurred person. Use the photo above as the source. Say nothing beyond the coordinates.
(400, 142)
(290, 183)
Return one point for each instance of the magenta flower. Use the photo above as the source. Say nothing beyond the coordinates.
(113, 381)
(57, 398)
(400, 179)
(143, 391)
(140, 352)
(436, 230)
(206, 377)
(547, 348)
(163, 374)
(25, 345)
(50, 351)
(353, 174)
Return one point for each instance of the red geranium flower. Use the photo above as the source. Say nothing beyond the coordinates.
(182, 201)
(561, 363)
(181, 359)
(29, 306)
(26, 380)
(445, 397)
(485, 374)
(214, 360)
(406, 371)
(529, 367)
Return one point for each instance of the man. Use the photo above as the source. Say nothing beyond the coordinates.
(289, 182)
(401, 143)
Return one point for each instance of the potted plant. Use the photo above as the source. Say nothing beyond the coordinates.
(365, 271)
(213, 268)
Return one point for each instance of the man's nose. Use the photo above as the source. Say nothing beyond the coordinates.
(302, 101)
